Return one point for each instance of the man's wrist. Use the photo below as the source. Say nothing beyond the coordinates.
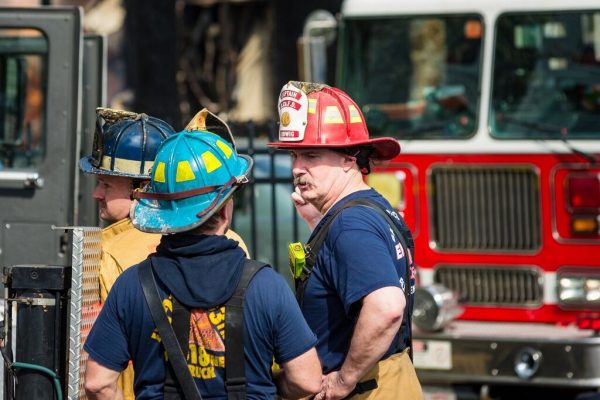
(347, 378)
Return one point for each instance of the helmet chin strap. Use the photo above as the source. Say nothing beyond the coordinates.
(138, 194)
(234, 181)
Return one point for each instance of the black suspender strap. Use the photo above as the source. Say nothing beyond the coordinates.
(381, 211)
(312, 250)
(180, 322)
(314, 245)
(172, 347)
(235, 380)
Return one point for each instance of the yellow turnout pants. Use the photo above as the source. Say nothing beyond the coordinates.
(125, 383)
(396, 380)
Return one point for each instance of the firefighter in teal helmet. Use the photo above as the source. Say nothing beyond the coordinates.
(124, 149)
(206, 173)
(197, 270)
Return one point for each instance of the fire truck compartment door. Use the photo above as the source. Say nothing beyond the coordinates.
(40, 97)
(93, 95)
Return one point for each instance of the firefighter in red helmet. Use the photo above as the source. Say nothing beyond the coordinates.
(356, 286)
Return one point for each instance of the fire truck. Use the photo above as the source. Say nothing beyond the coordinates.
(52, 77)
(497, 109)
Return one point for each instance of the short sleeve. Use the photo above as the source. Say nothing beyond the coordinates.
(363, 260)
(270, 296)
(293, 337)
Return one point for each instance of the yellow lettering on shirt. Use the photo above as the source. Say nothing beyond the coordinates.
(206, 344)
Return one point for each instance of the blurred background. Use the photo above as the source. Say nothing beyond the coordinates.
(171, 58)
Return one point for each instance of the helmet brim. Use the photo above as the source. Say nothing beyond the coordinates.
(148, 216)
(385, 148)
(85, 165)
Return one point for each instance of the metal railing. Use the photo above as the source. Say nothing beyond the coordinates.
(264, 214)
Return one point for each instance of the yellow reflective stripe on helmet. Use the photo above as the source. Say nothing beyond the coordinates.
(312, 106)
(333, 116)
(210, 161)
(184, 172)
(124, 165)
(354, 114)
(159, 172)
(224, 148)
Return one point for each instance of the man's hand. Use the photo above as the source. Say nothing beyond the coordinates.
(378, 322)
(307, 211)
(334, 387)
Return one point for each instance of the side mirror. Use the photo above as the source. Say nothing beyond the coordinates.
(320, 30)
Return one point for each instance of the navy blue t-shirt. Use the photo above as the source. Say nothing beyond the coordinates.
(360, 254)
(274, 329)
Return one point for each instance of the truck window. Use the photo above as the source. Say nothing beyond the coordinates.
(416, 77)
(23, 55)
(545, 77)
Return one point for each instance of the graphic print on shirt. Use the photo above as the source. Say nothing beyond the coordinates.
(206, 344)
(400, 254)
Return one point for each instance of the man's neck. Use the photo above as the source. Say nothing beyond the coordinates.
(354, 185)
(218, 231)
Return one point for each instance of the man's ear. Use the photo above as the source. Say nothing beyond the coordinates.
(348, 162)
(226, 211)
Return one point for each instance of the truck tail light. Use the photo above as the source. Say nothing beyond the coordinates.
(584, 191)
(583, 204)
(584, 225)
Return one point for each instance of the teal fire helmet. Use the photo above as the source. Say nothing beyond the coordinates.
(194, 173)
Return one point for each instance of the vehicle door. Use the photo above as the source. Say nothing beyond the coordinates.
(93, 95)
(40, 97)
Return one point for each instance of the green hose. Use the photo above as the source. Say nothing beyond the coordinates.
(45, 370)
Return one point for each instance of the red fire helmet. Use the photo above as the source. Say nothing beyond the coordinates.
(317, 115)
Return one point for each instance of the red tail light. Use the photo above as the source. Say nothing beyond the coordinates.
(582, 203)
(583, 191)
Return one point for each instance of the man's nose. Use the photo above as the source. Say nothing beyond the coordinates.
(98, 193)
(297, 168)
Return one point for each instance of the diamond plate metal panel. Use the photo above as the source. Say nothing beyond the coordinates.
(85, 303)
